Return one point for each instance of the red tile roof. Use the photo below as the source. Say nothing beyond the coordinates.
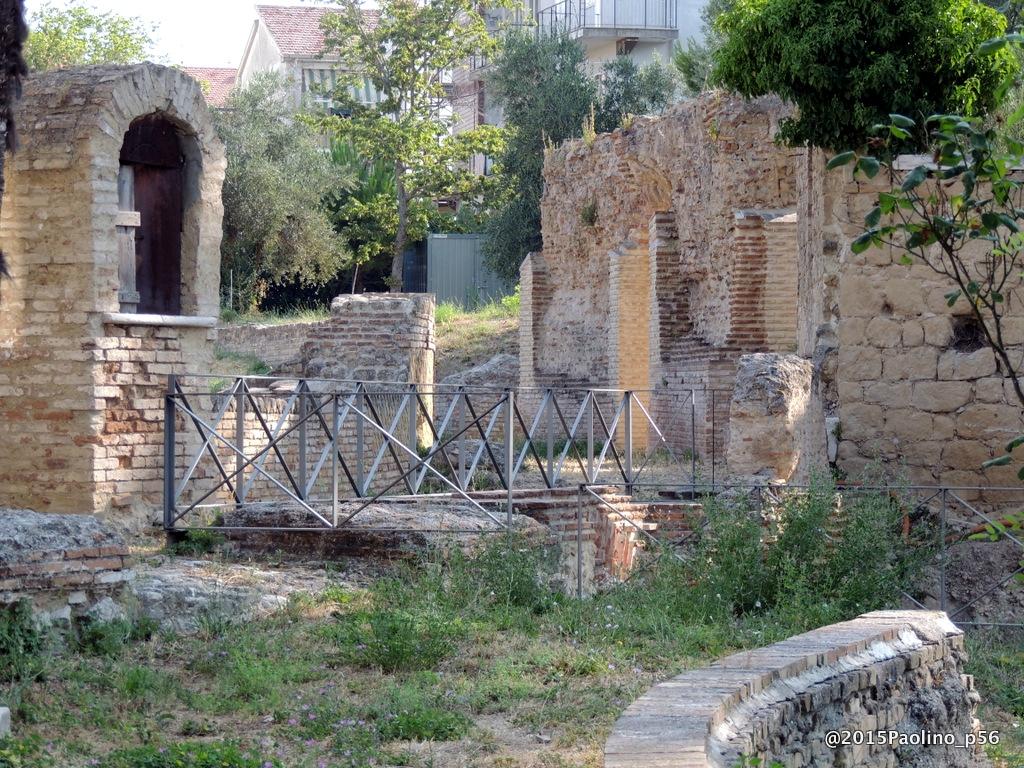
(217, 82)
(297, 29)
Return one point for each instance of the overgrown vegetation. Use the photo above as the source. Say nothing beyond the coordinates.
(848, 64)
(276, 228)
(452, 643)
(547, 96)
(77, 34)
(468, 337)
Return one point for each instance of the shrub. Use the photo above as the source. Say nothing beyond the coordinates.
(108, 638)
(410, 712)
(815, 558)
(197, 542)
(187, 755)
(21, 642)
(395, 640)
(848, 64)
(509, 573)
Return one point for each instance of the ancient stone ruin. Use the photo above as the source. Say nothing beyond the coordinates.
(684, 253)
(112, 226)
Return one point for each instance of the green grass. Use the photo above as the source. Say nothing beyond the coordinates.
(306, 314)
(468, 338)
(448, 312)
(350, 676)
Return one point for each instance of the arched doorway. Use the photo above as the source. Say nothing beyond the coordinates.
(151, 182)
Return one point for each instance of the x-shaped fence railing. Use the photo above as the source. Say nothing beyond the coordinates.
(319, 444)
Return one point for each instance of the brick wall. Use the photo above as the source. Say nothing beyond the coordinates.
(899, 671)
(63, 564)
(78, 389)
(688, 260)
(279, 345)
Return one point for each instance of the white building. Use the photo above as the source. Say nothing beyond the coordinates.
(289, 40)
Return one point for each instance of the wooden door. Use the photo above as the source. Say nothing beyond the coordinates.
(152, 150)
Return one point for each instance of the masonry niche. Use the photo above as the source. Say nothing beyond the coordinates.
(111, 224)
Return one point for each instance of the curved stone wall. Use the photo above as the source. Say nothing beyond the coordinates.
(879, 675)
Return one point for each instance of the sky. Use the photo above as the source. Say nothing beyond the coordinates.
(210, 33)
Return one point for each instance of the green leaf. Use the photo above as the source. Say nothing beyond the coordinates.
(1020, 473)
(998, 461)
(1016, 442)
(951, 297)
(905, 260)
(902, 121)
(843, 158)
(914, 178)
(869, 166)
(1009, 223)
(863, 242)
(873, 217)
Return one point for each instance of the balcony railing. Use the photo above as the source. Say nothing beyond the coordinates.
(571, 16)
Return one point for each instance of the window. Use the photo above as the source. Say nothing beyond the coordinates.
(320, 84)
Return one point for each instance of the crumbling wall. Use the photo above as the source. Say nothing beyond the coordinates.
(374, 337)
(907, 377)
(657, 243)
(891, 678)
(279, 345)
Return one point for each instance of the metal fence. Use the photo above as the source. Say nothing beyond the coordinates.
(319, 444)
(570, 16)
(327, 450)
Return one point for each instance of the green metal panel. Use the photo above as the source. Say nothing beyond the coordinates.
(456, 271)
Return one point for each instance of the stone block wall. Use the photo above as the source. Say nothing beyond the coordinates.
(909, 378)
(279, 345)
(887, 672)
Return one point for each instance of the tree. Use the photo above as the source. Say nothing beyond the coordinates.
(77, 35)
(276, 227)
(542, 85)
(848, 64)
(694, 62)
(628, 88)
(13, 32)
(405, 53)
(961, 214)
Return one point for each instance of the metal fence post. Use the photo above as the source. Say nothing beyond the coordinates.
(590, 438)
(629, 442)
(942, 562)
(335, 427)
(549, 403)
(360, 442)
(714, 440)
(510, 404)
(303, 410)
(414, 460)
(240, 441)
(693, 443)
(460, 425)
(579, 543)
(169, 437)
